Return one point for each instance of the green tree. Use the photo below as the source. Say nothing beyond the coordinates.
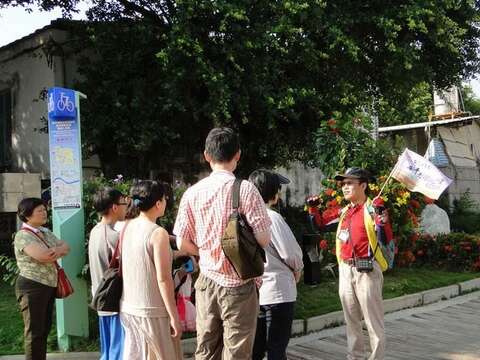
(274, 70)
(414, 107)
(470, 100)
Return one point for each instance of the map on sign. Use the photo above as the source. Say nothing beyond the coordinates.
(65, 160)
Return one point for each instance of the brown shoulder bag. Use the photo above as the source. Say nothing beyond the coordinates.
(239, 244)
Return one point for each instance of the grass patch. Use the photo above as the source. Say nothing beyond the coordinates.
(323, 298)
(312, 301)
(11, 327)
(11, 323)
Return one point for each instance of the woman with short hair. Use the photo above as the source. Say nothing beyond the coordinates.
(36, 250)
(283, 268)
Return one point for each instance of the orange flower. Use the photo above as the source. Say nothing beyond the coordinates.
(414, 204)
(428, 200)
(329, 192)
(412, 217)
(331, 122)
(476, 265)
(414, 237)
(323, 244)
(409, 255)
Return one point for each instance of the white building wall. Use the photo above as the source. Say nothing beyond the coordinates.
(24, 69)
(465, 179)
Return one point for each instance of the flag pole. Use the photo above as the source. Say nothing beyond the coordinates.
(385, 183)
(388, 179)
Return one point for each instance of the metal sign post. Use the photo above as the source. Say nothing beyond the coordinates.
(68, 214)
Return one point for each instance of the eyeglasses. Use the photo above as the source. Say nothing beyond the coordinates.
(122, 203)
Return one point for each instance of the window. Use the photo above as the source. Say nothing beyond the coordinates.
(5, 126)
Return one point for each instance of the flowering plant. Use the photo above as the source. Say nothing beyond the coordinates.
(456, 251)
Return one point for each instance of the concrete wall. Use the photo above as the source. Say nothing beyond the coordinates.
(305, 181)
(465, 179)
(15, 187)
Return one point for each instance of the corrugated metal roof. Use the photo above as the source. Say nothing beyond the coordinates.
(428, 123)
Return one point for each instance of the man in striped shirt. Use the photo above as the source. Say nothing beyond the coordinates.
(227, 306)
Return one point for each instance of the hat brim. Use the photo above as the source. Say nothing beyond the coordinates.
(282, 179)
(340, 177)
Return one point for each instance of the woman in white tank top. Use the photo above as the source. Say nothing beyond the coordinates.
(147, 308)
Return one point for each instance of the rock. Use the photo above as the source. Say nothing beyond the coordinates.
(434, 220)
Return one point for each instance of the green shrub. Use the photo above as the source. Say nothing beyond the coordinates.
(464, 215)
(8, 269)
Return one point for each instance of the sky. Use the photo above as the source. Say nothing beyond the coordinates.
(16, 23)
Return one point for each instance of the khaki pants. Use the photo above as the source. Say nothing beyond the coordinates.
(226, 320)
(361, 295)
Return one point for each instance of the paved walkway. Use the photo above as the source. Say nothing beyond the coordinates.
(447, 330)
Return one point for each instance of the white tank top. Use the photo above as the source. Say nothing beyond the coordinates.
(141, 295)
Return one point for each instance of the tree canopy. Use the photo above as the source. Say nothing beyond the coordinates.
(160, 74)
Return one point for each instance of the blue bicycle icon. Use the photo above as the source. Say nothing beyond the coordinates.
(65, 103)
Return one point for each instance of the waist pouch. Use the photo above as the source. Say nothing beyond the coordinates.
(364, 264)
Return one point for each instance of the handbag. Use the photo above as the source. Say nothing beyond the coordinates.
(183, 296)
(239, 244)
(64, 286)
(109, 291)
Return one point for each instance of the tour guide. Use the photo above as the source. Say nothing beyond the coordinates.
(361, 262)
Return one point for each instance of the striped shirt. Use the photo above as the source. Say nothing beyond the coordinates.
(203, 216)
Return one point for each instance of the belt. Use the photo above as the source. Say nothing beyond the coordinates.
(350, 262)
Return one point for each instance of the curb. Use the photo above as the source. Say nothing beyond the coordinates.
(444, 293)
(322, 322)
(302, 327)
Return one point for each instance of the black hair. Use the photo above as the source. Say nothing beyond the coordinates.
(222, 144)
(105, 198)
(132, 211)
(145, 193)
(26, 207)
(367, 182)
(266, 182)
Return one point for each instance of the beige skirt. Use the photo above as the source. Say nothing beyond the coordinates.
(149, 339)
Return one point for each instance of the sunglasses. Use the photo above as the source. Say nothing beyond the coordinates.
(349, 182)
